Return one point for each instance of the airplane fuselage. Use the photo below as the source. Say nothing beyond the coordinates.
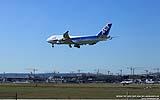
(80, 40)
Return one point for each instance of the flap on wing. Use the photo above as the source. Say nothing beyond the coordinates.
(66, 35)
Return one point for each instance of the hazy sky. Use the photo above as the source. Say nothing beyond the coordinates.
(26, 24)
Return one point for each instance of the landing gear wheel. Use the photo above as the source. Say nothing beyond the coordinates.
(70, 45)
(52, 45)
(77, 45)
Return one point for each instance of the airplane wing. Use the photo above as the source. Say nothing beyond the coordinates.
(66, 35)
(67, 38)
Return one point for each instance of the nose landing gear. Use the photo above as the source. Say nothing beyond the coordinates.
(52, 45)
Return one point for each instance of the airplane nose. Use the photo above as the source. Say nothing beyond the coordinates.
(48, 40)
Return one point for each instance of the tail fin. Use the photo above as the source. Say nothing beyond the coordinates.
(105, 30)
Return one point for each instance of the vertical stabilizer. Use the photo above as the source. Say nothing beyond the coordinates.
(105, 30)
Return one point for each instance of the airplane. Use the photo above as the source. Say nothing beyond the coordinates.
(127, 82)
(76, 41)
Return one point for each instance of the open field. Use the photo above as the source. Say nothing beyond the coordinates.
(75, 90)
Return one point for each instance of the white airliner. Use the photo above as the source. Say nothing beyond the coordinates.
(76, 41)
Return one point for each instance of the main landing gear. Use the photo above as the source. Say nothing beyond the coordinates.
(77, 45)
(70, 45)
(52, 45)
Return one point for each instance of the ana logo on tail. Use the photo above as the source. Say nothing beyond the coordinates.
(105, 30)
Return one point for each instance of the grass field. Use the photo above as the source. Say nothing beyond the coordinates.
(75, 90)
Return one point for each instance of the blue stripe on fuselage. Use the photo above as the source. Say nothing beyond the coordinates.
(85, 38)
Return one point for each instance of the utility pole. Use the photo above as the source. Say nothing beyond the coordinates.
(146, 72)
(79, 70)
(97, 71)
(108, 72)
(105, 71)
(120, 72)
(33, 70)
(132, 72)
(131, 69)
(72, 72)
(157, 69)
